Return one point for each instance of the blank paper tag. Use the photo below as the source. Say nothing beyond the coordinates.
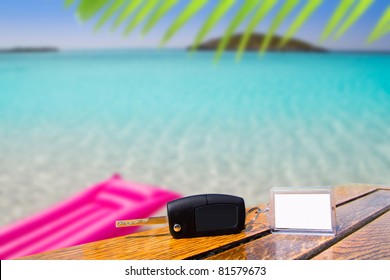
(303, 210)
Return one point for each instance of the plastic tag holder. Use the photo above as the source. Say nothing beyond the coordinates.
(318, 218)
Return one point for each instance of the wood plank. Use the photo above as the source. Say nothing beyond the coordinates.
(154, 244)
(158, 244)
(350, 217)
(371, 242)
(348, 192)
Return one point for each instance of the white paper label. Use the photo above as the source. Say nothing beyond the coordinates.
(303, 211)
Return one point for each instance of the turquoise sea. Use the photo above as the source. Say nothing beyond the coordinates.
(70, 119)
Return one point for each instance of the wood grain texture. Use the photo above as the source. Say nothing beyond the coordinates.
(371, 242)
(350, 217)
(158, 244)
(154, 244)
(347, 192)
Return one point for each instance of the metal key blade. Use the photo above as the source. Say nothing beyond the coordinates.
(140, 222)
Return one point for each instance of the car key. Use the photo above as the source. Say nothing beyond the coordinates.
(199, 215)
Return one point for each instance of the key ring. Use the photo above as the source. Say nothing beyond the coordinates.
(258, 211)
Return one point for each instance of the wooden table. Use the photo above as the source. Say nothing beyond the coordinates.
(363, 232)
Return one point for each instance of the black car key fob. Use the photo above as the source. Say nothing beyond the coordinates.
(206, 215)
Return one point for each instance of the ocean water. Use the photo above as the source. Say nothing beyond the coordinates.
(70, 119)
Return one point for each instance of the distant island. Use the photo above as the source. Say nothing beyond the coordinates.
(29, 50)
(255, 41)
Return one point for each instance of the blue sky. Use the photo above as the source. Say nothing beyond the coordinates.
(48, 23)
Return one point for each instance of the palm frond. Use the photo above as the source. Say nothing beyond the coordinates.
(382, 27)
(244, 11)
(88, 8)
(359, 10)
(386, 29)
(116, 5)
(262, 11)
(307, 11)
(218, 12)
(192, 8)
(164, 8)
(126, 12)
(287, 8)
(69, 3)
(141, 15)
(338, 15)
(345, 15)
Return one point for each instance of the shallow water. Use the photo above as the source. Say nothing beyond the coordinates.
(71, 119)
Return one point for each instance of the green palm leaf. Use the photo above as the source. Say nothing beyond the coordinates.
(126, 12)
(69, 3)
(338, 15)
(219, 11)
(192, 8)
(245, 9)
(381, 28)
(359, 10)
(116, 5)
(346, 14)
(307, 11)
(387, 30)
(140, 16)
(158, 14)
(88, 8)
(265, 7)
(288, 6)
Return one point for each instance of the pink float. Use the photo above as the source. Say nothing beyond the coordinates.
(86, 217)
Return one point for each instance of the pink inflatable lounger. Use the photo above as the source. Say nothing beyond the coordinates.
(88, 216)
